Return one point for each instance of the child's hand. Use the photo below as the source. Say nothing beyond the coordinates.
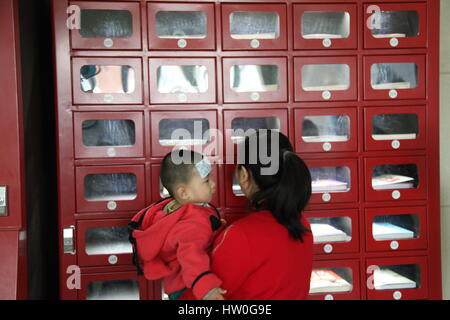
(224, 222)
(215, 294)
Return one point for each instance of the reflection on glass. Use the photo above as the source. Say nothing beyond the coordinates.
(240, 126)
(111, 186)
(184, 132)
(101, 133)
(97, 23)
(326, 128)
(393, 227)
(395, 126)
(321, 77)
(236, 187)
(182, 79)
(331, 229)
(395, 176)
(254, 78)
(181, 24)
(254, 25)
(113, 290)
(393, 76)
(107, 240)
(395, 24)
(331, 280)
(107, 79)
(330, 179)
(163, 191)
(325, 25)
(405, 276)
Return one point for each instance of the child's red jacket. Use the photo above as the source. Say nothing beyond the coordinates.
(176, 247)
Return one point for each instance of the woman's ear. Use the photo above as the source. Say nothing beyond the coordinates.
(243, 176)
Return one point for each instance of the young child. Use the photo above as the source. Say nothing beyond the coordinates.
(172, 237)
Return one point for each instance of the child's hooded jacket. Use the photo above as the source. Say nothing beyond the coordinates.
(176, 246)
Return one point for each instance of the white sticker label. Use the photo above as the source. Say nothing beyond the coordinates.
(203, 167)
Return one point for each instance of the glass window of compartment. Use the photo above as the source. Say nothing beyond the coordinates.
(163, 192)
(181, 24)
(325, 25)
(110, 186)
(321, 77)
(107, 240)
(255, 78)
(236, 187)
(101, 133)
(245, 126)
(395, 176)
(331, 229)
(184, 132)
(331, 280)
(384, 76)
(332, 128)
(103, 23)
(395, 24)
(395, 126)
(394, 277)
(330, 179)
(254, 25)
(113, 290)
(182, 79)
(395, 227)
(107, 79)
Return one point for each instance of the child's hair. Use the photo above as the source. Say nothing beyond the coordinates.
(172, 173)
(285, 193)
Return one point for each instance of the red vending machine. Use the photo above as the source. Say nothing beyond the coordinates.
(353, 84)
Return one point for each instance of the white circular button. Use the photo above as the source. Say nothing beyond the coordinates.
(396, 194)
(182, 43)
(326, 197)
(111, 152)
(329, 297)
(395, 144)
(397, 295)
(254, 43)
(255, 96)
(393, 94)
(108, 43)
(326, 95)
(326, 43)
(112, 259)
(394, 245)
(182, 97)
(108, 98)
(328, 248)
(326, 146)
(393, 42)
(112, 205)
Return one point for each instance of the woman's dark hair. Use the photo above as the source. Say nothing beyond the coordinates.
(285, 193)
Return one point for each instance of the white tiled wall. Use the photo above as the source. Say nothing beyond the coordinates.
(445, 146)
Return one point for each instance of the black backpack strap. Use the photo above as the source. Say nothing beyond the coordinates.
(134, 225)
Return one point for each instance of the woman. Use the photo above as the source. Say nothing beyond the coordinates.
(268, 253)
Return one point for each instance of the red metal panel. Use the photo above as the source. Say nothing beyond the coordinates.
(420, 192)
(261, 95)
(419, 142)
(301, 94)
(208, 96)
(352, 271)
(420, 40)
(419, 242)
(83, 151)
(90, 252)
(420, 292)
(181, 43)
(418, 92)
(330, 248)
(132, 42)
(349, 42)
(249, 43)
(301, 145)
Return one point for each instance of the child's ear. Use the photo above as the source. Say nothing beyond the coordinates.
(182, 193)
